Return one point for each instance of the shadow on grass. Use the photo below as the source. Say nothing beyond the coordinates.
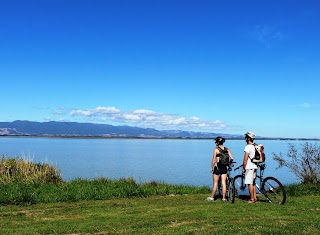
(246, 198)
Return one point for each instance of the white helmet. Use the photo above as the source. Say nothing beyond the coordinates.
(250, 134)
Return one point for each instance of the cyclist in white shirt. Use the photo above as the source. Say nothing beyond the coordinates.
(250, 168)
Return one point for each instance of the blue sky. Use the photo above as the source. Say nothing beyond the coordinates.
(214, 66)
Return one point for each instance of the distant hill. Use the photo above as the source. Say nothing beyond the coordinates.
(28, 128)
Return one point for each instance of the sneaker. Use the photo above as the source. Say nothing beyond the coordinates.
(224, 199)
(210, 199)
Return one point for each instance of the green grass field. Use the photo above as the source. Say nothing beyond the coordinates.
(34, 200)
(175, 214)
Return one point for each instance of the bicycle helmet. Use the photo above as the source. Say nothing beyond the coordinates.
(250, 135)
(220, 140)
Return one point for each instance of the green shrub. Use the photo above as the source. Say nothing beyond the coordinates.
(296, 190)
(305, 163)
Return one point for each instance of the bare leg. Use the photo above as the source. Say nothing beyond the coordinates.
(224, 186)
(252, 190)
(255, 192)
(252, 187)
(215, 185)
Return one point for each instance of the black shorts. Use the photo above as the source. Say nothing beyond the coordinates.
(220, 170)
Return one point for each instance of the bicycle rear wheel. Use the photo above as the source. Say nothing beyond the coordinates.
(273, 190)
(239, 185)
(230, 190)
(219, 188)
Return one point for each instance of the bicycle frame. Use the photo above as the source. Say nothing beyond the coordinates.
(258, 176)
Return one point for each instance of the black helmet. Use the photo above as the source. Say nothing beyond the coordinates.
(220, 140)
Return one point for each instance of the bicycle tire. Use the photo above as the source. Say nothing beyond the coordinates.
(273, 190)
(219, 188)
(239, 187)
(230, 190)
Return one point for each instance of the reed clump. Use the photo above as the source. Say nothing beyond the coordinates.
(23, 170)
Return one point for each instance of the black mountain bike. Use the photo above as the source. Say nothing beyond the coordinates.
(270, 187)
(230, 194)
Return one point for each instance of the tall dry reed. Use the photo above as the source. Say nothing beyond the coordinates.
(19, 169)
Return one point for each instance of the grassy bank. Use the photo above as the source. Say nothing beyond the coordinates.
(85, 190)
(46, 205)
(24, 182)
(180, 214)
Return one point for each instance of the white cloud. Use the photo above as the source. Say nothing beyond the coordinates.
(147, 118)
(95, 112)
(143, 111)
(306, 105)
(131, 117)
(58, 112)
(107, 110)
(267, 35)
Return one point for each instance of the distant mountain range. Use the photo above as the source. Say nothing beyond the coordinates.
(75, 129)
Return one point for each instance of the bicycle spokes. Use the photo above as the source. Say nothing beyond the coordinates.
(230, 191)
(273, 190)
(239, 186)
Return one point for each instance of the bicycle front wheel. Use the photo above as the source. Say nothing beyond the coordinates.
(273, 190)
(239, 185)
(230, 190)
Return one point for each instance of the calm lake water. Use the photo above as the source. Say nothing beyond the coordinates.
(170, 161)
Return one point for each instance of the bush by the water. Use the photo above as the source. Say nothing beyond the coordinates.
(305, 163)
(23, 170)
(296, 190)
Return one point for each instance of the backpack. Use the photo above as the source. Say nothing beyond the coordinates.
(259, 155)
(224, 158)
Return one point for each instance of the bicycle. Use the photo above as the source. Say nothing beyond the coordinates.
(230, 193)
(270, 187)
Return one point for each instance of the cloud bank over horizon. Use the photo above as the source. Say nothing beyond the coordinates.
(142, 118)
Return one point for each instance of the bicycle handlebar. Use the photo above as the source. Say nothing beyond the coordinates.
(262, 166)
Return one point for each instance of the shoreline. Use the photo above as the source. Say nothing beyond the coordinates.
(144, 137)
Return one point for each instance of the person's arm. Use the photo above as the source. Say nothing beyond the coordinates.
(245, 160)
(214, 159)
(230, 154)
